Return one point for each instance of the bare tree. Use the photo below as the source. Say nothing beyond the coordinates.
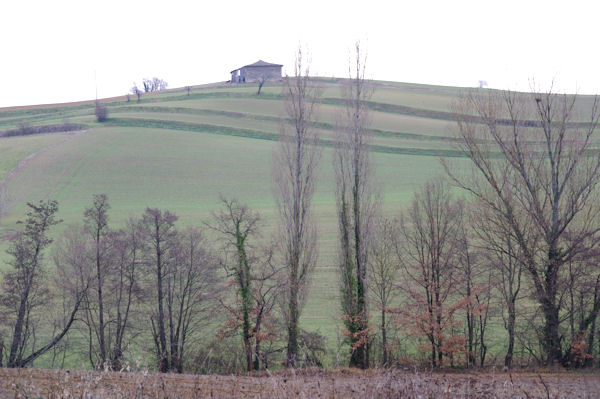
(383, 273)
(96, 224)
(468, 267)
(136, 91)
(582, 305)
(429, 257)
(476, 284)
(534, 165)
(266, 292)
(159, 84)
(261, 82)
(160, 236)
(237, 224)
(25, 288)
(356, 206)
(154, 84)
(126, 291)
(147, 84)
(113, 261)
(190, 284)
(294, 173)
(101, 112)
(73, 253)
(502, 252)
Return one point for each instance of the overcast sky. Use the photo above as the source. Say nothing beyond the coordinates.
(55, 50)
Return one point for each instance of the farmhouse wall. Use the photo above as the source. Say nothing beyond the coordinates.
(255, 72)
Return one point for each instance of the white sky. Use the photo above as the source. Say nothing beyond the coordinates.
(51, 50)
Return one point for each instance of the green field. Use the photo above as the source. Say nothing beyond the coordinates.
(179, 152)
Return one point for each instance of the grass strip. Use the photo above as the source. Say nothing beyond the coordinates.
(239, 115)
(249, 133)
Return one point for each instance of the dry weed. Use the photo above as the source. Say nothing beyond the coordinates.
(305, 383)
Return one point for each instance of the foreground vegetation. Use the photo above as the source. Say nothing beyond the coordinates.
(305, 383)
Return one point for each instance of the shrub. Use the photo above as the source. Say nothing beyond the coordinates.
(101, 112)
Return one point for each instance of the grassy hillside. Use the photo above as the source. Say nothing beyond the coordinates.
(180, 152)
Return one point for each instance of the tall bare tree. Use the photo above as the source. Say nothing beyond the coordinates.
(502, 252)
(126, 289)
(190, 284)
(114, 260)
(160, 236)
(383, 272)
(534, 164)
(469, 269)
(356, 204)
(582, 305)
(429, 256)
(96, 224)
(25, 287)
(477, 278)
(266, 292)
(294, 173)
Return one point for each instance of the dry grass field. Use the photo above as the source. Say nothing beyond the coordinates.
(344, 383)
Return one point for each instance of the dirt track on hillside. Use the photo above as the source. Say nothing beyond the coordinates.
(30, 157)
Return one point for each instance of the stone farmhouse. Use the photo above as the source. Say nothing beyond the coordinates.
(255, 72)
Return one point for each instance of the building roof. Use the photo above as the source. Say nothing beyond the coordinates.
(259, 63)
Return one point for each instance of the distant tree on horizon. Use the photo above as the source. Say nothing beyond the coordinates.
(136, 91)
(154, 84)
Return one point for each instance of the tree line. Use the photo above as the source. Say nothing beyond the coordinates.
(512, 238)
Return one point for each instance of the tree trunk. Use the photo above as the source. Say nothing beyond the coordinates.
(470, 334)
(29, 359)
(292, 347)
(511, 335)
(246, 336)
(14, 356)
(248, 350)
(360, 354)
(384, 337)
(589, 361)
(483, 351)
(357, 357)
(470, 324)
(257, 356)
(551, 341)
(163, 361)
(100, 303)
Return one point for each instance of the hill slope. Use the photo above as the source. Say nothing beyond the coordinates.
(179, 152)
